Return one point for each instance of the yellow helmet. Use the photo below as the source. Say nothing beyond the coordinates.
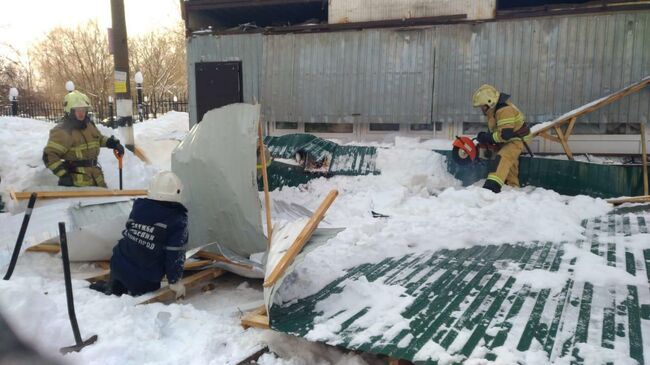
(485, 95)
(74, 100)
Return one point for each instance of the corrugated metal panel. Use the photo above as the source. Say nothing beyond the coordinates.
(549, 65)
(349, 11)
(246, 48)
(366, 76)
(462, 305)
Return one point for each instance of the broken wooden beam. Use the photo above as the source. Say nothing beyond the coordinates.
(587, 108)
(76, 194)
(220, 258)
(301, 240)
(257, 318)
(190, 282)
(634, 199)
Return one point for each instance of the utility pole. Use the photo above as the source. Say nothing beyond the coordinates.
(123, 102)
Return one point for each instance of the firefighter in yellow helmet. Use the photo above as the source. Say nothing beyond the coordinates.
(507, 130)
(73, 147)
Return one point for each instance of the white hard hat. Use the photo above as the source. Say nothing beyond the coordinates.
(165, 186)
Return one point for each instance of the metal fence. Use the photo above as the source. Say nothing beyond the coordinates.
(103, 112)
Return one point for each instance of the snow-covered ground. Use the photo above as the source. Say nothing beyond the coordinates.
(429, 210)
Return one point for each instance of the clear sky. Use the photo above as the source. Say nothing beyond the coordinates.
(23, 22)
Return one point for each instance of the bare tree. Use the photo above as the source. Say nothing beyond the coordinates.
(16, 71)
(160, 56)
(79, 54)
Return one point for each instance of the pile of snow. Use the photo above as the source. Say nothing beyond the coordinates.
(428, 210)
(157, 137)
(22, 141)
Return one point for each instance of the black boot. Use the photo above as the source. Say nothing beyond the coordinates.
(101, 286)
(492, 185)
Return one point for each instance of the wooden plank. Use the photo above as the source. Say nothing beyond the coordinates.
(569, 128)
(549, 137)
(193, 265)
(644, 158)
(265, 180)
(45, 247)
(598, 104)
(634, 199)
(141, 155)
(255, 321)
(219, 258)
(301, 240)
(564, 143)
(256, 318)
(77, 194)
(165, 294)
(103, 275)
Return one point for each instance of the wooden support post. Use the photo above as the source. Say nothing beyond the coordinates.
(265, 180)
(644, 158)
(563, 141)
(569, 128)
(301, 240)
(77, 194)
(549, 137)
(190, 282)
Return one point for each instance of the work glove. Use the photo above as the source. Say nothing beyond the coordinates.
(66, 180)
(115, 144)
(178, 288)
(484, 138)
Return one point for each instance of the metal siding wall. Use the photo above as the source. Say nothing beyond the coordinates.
(207, 48)
(367, 76)
(549, 65)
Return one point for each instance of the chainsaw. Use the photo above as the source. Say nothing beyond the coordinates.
(467, 150)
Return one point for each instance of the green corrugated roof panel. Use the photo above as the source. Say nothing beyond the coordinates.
(354, 160)
(345, 160)
(463, 299)
(286, 146)
(563, 176)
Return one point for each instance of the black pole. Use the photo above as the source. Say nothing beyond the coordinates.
(68, 282)
(79, 343)
(111, 120)
(14, 106)
(139, 89)
(21, 236)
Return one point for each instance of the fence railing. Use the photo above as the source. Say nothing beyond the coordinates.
(103, 112)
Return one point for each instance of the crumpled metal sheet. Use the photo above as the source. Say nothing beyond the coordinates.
(217, 165)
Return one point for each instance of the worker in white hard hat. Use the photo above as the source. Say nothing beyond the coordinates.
(153, 243)
(507, 130)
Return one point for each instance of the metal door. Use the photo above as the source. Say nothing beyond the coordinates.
(217, 84)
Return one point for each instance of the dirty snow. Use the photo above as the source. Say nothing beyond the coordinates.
(428, 210)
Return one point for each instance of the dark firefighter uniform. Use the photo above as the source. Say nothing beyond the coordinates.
(152, 246)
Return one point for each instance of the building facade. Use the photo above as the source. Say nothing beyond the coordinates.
(357, 78)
